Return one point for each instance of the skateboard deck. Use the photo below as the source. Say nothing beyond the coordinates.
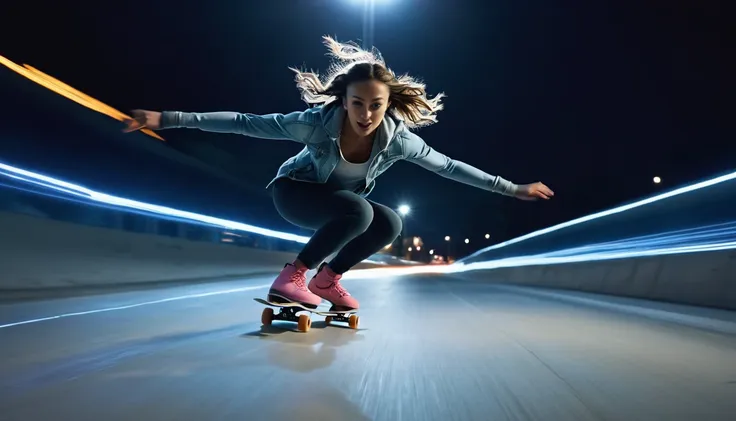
(289, 312)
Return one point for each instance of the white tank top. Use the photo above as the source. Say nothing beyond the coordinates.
(348, 175)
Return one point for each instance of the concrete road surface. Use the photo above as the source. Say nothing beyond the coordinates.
(428, 348)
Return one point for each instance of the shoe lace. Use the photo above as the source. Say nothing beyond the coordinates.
(340, 290)
(298, 279)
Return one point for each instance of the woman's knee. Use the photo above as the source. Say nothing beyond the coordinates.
(361, 213)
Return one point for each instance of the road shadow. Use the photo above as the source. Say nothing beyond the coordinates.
(304, 352)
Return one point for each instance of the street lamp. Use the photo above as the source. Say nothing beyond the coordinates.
(369, 13)
(488, 236)
(369, 8)
(368, 21)
(403, 212)
(657, 180)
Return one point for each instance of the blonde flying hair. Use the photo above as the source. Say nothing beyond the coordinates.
(408, 96)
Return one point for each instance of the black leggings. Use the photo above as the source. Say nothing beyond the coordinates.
(343, 221)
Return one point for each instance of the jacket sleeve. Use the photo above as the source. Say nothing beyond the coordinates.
(418, 152)
(295, 126)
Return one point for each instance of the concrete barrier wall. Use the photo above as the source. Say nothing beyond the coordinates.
(705, 279)
(37, 253)
(705, 210)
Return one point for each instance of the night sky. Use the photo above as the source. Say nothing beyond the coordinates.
(592, 98)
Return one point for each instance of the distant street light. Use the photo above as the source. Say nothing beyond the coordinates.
(657, 180)
(488, 236)
(467, 241)
(431, 251)
(403, 211)
(447, 238)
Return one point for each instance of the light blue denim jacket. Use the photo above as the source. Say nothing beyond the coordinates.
(318, 130)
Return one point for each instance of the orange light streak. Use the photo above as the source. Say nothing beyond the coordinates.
(69, 92)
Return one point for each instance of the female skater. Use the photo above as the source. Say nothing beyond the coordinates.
(358, 127)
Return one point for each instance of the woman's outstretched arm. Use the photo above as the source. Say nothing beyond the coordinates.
(296, 126)
(417, 151)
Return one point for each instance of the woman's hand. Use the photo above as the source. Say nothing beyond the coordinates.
(142, 118)
(534, 191)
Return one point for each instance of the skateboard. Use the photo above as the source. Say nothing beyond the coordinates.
(289, 312)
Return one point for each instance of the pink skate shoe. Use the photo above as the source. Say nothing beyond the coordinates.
(326, 284)
(290, 287)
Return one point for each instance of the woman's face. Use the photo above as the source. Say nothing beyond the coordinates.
(366, 104)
